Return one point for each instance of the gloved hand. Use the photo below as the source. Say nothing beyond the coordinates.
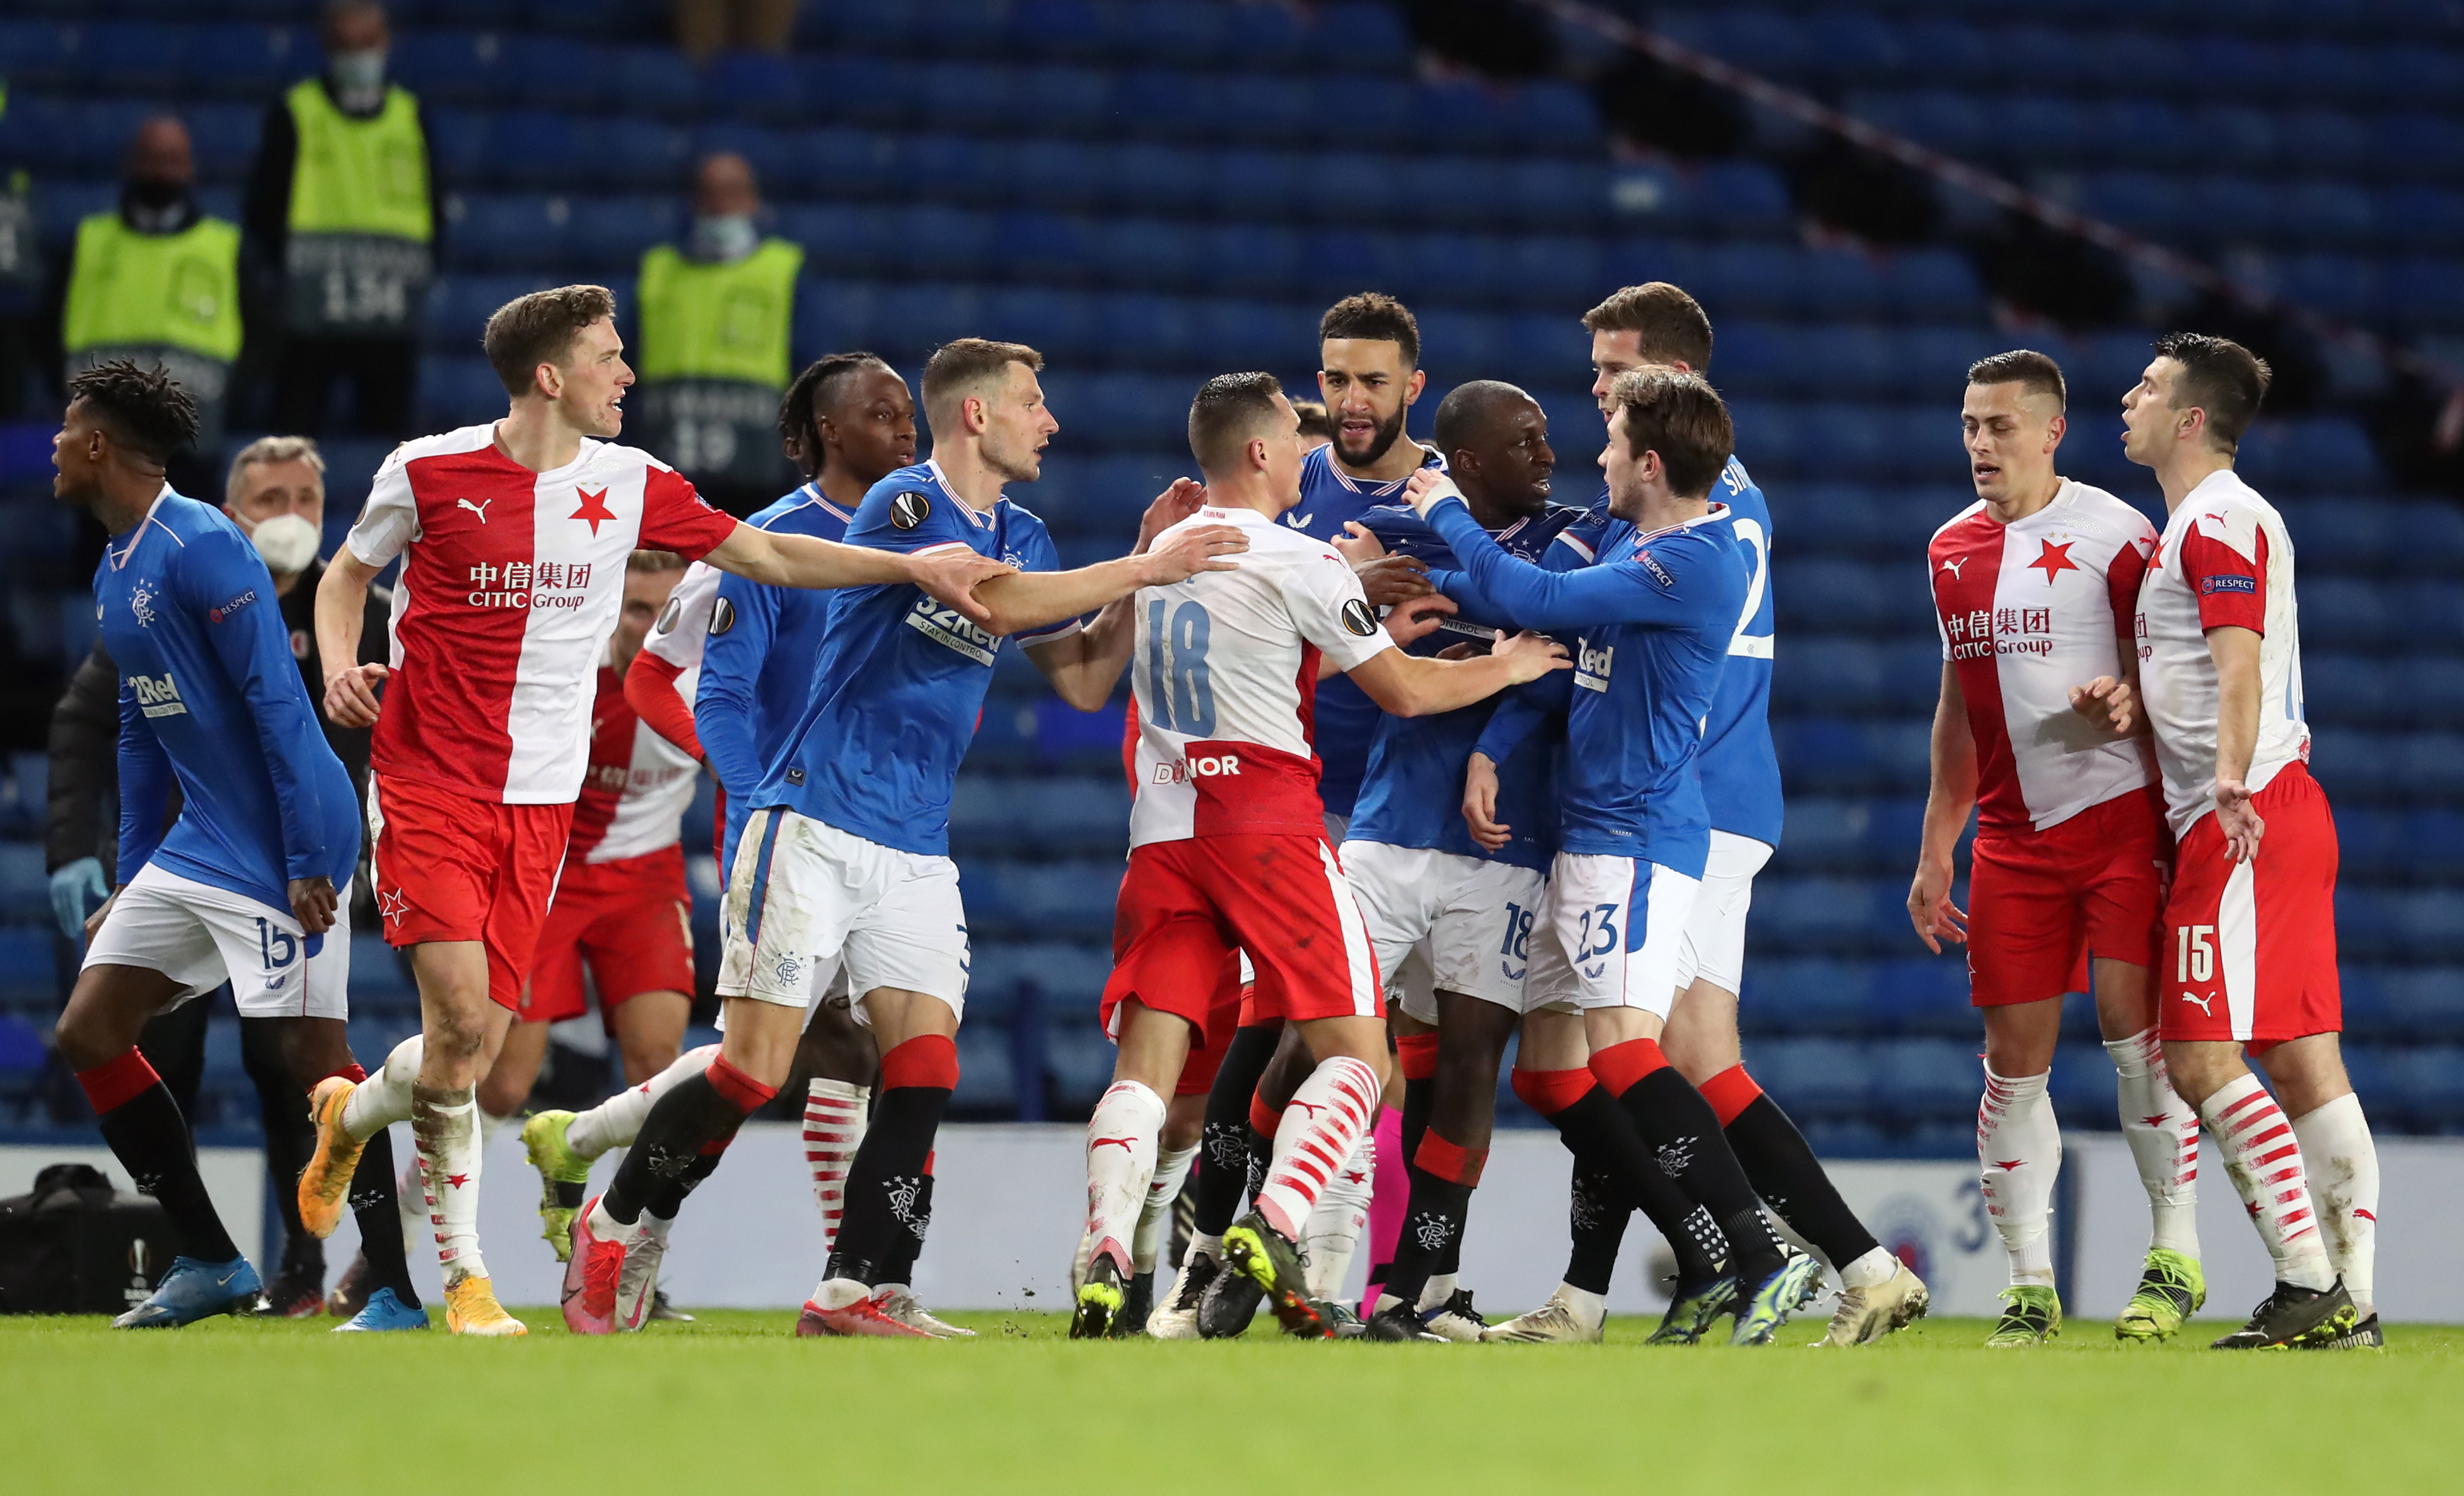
(77, 889)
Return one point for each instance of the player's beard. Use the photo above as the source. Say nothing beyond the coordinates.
(1016, 466)
(1380, 442)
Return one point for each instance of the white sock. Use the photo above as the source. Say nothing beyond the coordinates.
(384, 1098)
(1200, 1245)
(1334, 1224)
(1434, 1292)
(1121, 1142)
(1170, 1172)
(1324, 1121)
(2263, 1156)
(2018, 1155)
(1877, 1267)
(614, 1122)
(2164, 1136)
(1591, 1309)
(835, 1123)
(2336, 1144)
(445, 1128)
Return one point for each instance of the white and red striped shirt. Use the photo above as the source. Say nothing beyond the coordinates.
(2026, 611)
(2225, 561)
(1225, 680)
(511, 586)
(637, 788)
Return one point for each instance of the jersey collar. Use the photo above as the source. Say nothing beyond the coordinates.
(120, 558)
(983, 518)
(1718, 511)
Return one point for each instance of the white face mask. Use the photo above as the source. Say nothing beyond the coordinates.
(359, 76)
(725, 238)
(288, 542)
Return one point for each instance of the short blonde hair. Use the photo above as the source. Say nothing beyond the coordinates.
(271, 449)
(655, 561)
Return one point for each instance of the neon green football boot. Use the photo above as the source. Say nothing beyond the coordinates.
(563, 1176)
(2171, 1289)
(2033, 1317)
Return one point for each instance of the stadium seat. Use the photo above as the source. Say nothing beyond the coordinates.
(1812, 1077)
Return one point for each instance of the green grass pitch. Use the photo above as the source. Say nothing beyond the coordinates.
(733, 1404)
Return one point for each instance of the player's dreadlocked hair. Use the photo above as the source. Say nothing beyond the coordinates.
(2220, 377)
(144, 408)
(816, 389)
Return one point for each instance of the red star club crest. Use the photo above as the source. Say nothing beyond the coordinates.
(457, 1180)
(2006, 1165)
(594, 508)
(2054, 559)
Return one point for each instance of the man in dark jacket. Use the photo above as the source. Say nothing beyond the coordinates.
(275, 492)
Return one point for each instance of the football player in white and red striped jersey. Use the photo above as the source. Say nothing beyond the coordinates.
(512, 538)
(2247, 964)
(622, 909)
(2035, 587)
(1228, 849)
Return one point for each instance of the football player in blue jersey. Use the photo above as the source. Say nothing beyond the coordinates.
(251, 883)
(1435, 899)
(846, 858)
(1654, 614)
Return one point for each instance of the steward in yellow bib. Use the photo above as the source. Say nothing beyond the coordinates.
(715, 319)
(157, 282)
(343, 218)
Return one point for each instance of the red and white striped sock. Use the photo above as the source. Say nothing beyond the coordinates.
(2019, 1156)
(2264, 1159)
(834, 1119)
(1321, 1125)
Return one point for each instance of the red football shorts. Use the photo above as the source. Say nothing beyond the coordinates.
(451, 867)
(2041, 902)
(1189, 908)
(629, 922)
(2250, 947)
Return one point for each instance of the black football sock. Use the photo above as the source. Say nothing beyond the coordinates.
(886, 1191)
(693, 1122)
(900, 1265)
(1433, 1224)
(375, 1206)
(1223, 1166)
(1786, 1174)
(1597, 1212)
(290, 1138)
(670, 1196)
(148, 1137)
(1596, 1127)
(1685, 1135)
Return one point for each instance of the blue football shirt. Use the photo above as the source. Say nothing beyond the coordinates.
(901, 680)
(1739, 766)
(1411, 794)
(1653, 615)
(211, 695)
(1347, 720)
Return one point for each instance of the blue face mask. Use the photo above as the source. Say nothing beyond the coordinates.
(725, 238)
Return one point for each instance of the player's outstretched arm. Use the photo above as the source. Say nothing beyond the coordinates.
(1480, 803)
(1949, 795)
(1536, 597)
(1085, 664)
(949, 574)
(2236, 651)
(342, 613)
(1030, 600)
(1409, 685)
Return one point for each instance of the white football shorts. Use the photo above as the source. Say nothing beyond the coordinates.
(201, 936)
(805, 899)
(1617, 923)
(1714, 944)
(1466, 922)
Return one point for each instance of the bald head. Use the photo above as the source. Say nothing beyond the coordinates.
(1472, 409)
(159, 152)
(723, 186)
(1495, 440)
